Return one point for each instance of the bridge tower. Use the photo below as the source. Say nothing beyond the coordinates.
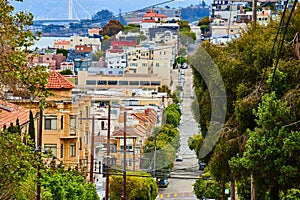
(70, 17)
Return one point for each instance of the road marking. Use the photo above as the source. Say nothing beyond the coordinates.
(176, 195)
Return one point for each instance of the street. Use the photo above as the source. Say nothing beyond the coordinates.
(184, 173)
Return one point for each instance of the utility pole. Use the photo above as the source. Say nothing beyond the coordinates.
(92, 151)
(124, 172)
(254, 12)
(39, 155)
(107, 154)
(154, 158)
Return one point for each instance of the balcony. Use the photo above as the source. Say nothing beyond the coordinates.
(70, 135)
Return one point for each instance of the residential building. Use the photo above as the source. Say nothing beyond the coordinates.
(92, 82)
(67, 65)
(65, 127)
(52, 61)
(116, 56)
(62, 44)
(79, 40)
(139, 126)
(10, 113)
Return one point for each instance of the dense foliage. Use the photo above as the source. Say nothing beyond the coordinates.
(20, 159)
(16, 76)
(261, 133)
(139, 186)
(112, 28)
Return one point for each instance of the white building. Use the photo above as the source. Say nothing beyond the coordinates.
(79, 40)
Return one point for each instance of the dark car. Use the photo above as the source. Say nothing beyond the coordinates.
(202, 166)
(162, 183)
(179, 159)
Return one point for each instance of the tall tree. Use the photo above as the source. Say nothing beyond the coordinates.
(31, 129)
(112, 28)
(17, 77)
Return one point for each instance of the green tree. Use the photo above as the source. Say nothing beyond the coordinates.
(64, 52)
(204, 28)
(184, 26)
(266, 154)
(66, 72)
(204, 21)
(17, 77)
(139, 185)
(17, 164)
(58, 183)
(97, 55)
(207, 187)
(133, 28)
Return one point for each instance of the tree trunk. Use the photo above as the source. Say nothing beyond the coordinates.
(252, 188)
(223, 191)
(274, 192)
(232, 192)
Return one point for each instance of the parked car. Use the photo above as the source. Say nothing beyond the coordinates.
(202, 166)
(162, 183)
(179, 159)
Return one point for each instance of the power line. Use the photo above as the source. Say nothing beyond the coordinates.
(282, 40)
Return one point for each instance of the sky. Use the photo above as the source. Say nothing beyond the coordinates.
(54, 9)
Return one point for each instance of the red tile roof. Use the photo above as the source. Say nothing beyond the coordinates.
(10, 112)
(123, 43)
(151, 13)
(58, 81)
(61, 42)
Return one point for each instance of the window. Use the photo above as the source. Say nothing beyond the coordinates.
(61, 122)
(102, 82)
(144, 82)
(157, 64)
(86, 112)
(133, 83)
(123, 82)
(112, 82)
(155, 82)
(86, 137)
(73, 121)
(103, 127)
(80, 117)
(90, 82)
(51, 148)
(51, 122)
(80, 143)
(61, 150)
(72, 149)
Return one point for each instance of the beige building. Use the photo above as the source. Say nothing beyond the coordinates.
(91, 82)
(64, 133)
(79, 40)
(139, 127)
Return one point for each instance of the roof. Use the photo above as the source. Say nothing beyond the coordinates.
(65, 42)
(10, 112)
(151, 13)
(58, 81)
(123, 43)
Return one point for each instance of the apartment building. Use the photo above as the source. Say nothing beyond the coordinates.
(65, 128)
(80, 40)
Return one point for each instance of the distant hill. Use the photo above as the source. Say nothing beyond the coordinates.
(194, 13)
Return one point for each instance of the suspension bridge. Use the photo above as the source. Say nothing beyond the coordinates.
(73, 15)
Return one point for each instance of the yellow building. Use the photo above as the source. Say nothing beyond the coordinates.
(66, 124)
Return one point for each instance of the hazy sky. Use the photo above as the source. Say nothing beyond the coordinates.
(59, 8)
